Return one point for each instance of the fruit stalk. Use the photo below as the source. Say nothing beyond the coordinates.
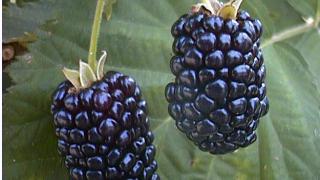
(92, 61)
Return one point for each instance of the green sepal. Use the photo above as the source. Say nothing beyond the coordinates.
(73, 76)
(100, 66)
(87, 76)
(230, 9)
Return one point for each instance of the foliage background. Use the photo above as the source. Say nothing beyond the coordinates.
(139, 44)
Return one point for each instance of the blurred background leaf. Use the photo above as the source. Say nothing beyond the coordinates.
(138, 41)
(22, 18)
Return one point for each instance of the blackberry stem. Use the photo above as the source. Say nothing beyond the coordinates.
(92, 61)
(291, 32)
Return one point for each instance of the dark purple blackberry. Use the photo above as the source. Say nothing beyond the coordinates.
(103, 131)
(219, 92)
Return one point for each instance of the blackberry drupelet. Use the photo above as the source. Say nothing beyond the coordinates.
(219, 92)
(103, 130)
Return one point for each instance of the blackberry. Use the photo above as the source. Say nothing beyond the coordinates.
(101, 120)
(103, 130)
(219, 93)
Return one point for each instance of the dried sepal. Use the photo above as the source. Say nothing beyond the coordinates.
(73, 76)
(87, 76)
(100, 66)
(214, 7)
(211, 6)
(202, 6)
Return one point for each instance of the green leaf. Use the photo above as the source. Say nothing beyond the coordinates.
(310, 52)
(19, 23)
(139, 44)
(306, 9)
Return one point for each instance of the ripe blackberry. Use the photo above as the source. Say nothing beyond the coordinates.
(103, 130)
(219, 92)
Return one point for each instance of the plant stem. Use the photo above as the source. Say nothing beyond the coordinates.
(289, 33)
(317, 21)
(92, 58)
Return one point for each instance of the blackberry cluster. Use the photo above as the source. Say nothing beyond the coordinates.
(103, 131)
(219, 92)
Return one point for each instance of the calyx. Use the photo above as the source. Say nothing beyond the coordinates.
(86, 75)
(227, 10)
